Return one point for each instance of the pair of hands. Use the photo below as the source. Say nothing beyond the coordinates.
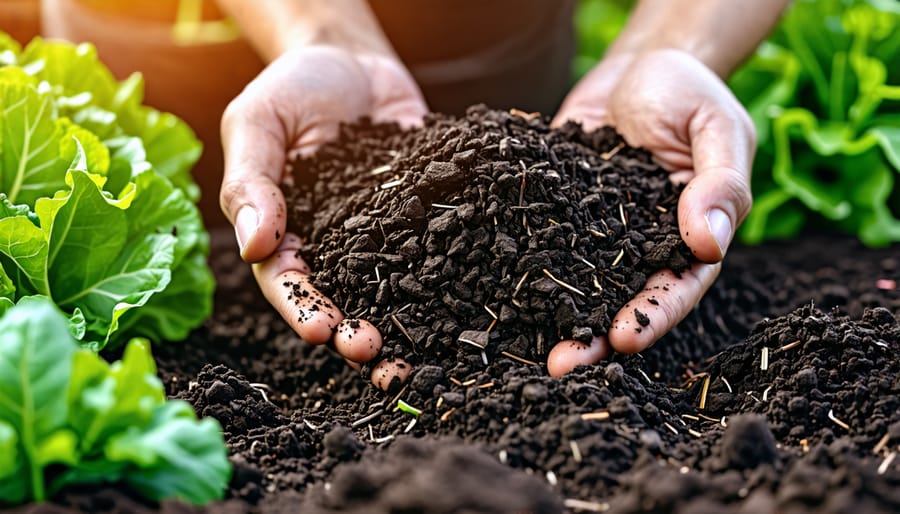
(665, 101)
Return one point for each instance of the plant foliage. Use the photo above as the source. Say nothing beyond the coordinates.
(97, 204)
(68, 417)
(824, 93)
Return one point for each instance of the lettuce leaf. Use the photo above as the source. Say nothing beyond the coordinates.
(95, 422)
(97, 206)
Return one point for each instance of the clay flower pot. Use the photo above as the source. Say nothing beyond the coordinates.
(21, 19)
(193, 73)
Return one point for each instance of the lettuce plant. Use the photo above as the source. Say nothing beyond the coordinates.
(68, 417)
(824, 93)
(97, 205)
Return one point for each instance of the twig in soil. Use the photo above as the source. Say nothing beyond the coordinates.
(588, 263)
(401, 393)
(586, 506)
(410, 426)
(489, 311)
(596, 233)
(661, 209)
(366, 419)
(443, 206)
(618, 258)
(881, 444)
(445, 416)
(383, 439)
(381, 169)
(520, 359)
(551, 478)
(707, 418)
(262, 388)
(469, 382)
(764, 359)
(522, 114)
(310, 425)
(704, 393)
(519, 283)
(484, 358)
(595, 416)
(725, 381)
(670, 427)
(390, 184)
(561, 283)
(622, 215)
(646, 377)
(766, 393)
(690, 417)
(694, 433)
(837, 421)
(456, 381)
(576, 451)
(471, 342)
(885, 464)
(597, 284)
(486, 386)
(789, 346)
(606, 155)
(409, 409)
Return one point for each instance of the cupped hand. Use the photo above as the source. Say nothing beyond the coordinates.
(296, 104)
(671, 104)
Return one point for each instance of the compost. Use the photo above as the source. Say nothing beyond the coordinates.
(780, 392)
(483, 236)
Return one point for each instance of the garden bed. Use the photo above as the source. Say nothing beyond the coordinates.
(292, 412)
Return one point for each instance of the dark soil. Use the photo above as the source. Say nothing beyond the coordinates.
(290, 443)
(487, 234)
(697, 423)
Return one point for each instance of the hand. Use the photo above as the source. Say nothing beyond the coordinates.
(292, 107)
(671, 104)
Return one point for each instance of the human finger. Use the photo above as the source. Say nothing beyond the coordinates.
(284, 280)
(665, 300)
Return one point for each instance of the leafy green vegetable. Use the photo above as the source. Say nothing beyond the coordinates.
(95, 422)
(820, 93)
(96, 200)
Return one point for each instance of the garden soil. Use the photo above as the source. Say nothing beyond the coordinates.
(779, 392)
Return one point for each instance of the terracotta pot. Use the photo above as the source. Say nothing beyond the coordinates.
(21, 19)
(195, 80)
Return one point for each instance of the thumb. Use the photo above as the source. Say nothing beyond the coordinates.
(717, 198)
(250, 196)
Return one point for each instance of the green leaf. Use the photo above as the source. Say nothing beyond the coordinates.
(30, 166)
(171, 314)
(176, 456)
(105, 400)
(115, 272)
(12, 479)
(35, 366)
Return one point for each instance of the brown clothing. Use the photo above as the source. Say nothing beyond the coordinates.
(505, 53)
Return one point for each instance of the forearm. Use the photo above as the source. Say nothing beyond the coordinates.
(720, 33)
(276, 26)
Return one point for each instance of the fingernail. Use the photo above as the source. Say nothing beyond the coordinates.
(245, 225)
(720, 228)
